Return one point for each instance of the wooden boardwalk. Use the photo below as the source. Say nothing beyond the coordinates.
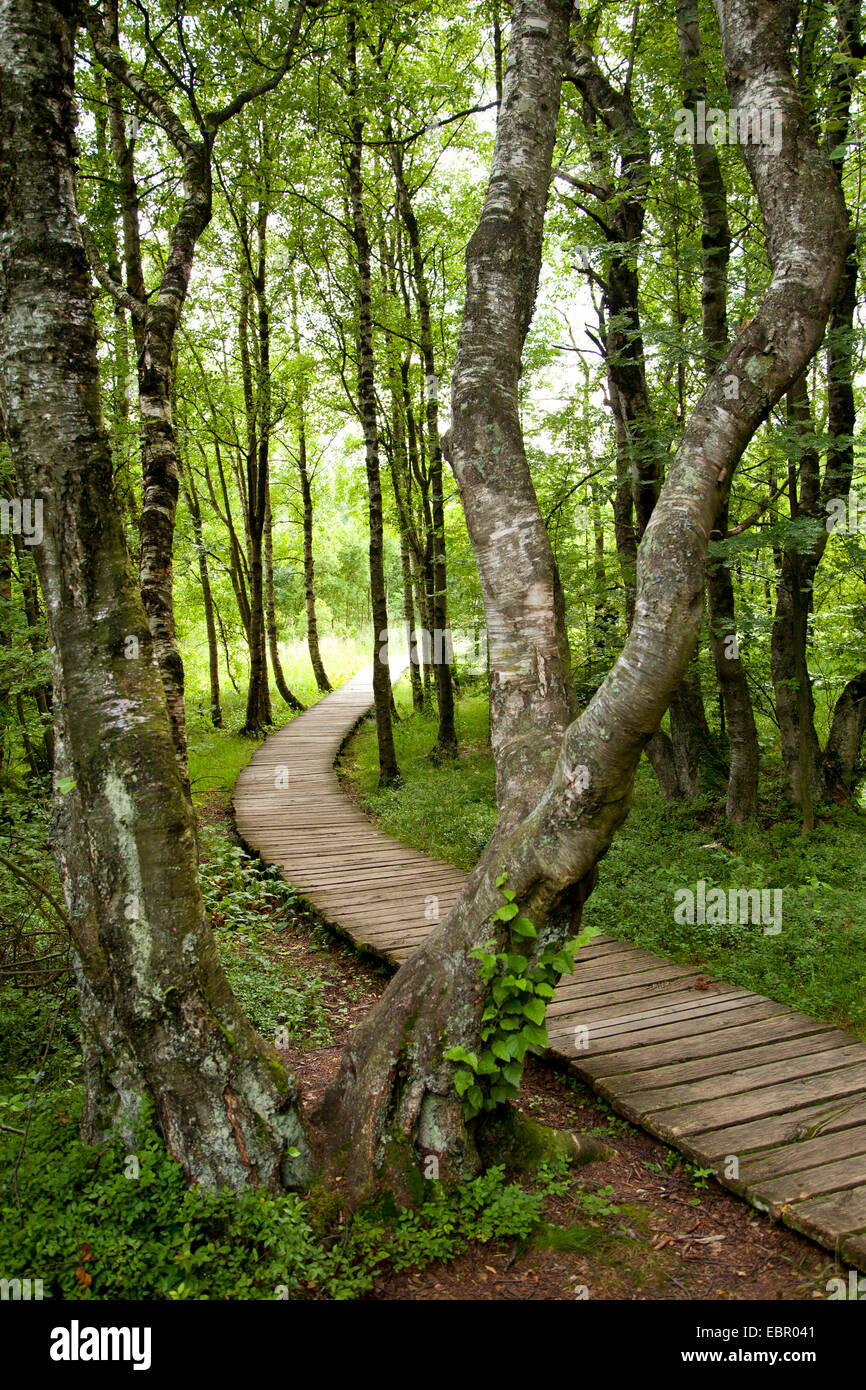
(772, 1100)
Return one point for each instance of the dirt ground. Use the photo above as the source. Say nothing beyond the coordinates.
(646, 1226)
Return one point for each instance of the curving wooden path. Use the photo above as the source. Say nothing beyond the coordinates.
(772, 1100)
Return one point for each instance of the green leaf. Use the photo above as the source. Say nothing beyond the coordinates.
(588, 934)
(459, 1054)
(512, 1073)
(536, 1036)
(534, 1010)
(65, 785)
(516, 983)
(462, 1081)
(505, 913)
(523, 927)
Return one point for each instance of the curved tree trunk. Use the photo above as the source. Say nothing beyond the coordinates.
(395, 1093)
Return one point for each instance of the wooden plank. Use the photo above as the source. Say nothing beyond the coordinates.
(731, 1081)
(592, 1002)
(757, 1104)
(808, 1153)
(735, 1014)
(609, 1016)
(713, 1043)
(788, 1127)
(829, 1219)
(821, 1180)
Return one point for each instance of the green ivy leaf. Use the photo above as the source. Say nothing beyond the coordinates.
(512, 1073)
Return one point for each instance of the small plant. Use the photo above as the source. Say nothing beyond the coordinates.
(519, 989)
(699, 1176)
(597, 1204)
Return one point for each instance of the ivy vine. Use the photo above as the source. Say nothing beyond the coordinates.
(519, 989)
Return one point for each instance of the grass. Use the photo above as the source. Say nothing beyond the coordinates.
(816, 963)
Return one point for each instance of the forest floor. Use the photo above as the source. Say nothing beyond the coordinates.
(641, 1224)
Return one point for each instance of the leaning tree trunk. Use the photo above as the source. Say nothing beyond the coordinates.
(159, 1020)
(396, 1093)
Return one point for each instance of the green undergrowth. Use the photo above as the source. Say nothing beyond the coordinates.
(817, 962)
(216, 756)
(103, 1223)
(251, 911)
